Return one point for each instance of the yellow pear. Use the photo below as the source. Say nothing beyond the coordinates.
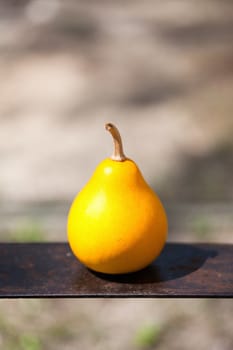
(116, 223)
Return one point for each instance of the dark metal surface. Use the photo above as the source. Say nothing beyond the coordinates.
(51, 270)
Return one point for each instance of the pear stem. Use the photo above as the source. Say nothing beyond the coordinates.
(118, 153)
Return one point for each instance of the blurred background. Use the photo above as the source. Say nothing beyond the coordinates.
(162, 71)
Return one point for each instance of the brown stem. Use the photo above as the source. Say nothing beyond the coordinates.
(118, 153)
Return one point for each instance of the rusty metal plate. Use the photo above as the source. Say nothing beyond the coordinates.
(40, 270)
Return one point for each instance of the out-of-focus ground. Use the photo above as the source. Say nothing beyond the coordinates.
(162, 71)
